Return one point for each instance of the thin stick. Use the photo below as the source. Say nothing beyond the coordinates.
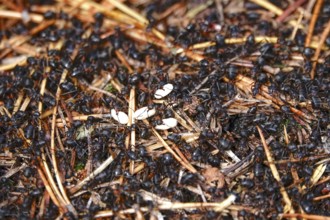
(25, 103)
(298, 160)
(84, 117)
(62, 118)
(312, 23)
(136, 16)
(13, 14)
(258, 39)
(124, 61)
(132, 122)
(104, 92)
(89, 163)
(104, 165)
(43, 164)
(42, 91)
(49, 189)
(53, 149)
(269, 6)
(275, 173)
(18, 102)
(42, 205)
(198, 9)
(294, 172)
(219, 6)
(128, 11)
(14, 170)
(324, 35)
(187, 166)
(52, 142)
(276, 10)
(303, 216)
(318, 198)
(217, 207)
(326, 179)
(245, 83)
(290, 10)
(295, 29)
(203, 82)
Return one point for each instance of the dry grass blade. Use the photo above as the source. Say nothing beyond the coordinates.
(53, 149)
(104, 165)
(128, 11)
(131, 122)
(318, 172)
(169, 149)
(269, 6)
(16, 15)
(275, 173)
(217, 207)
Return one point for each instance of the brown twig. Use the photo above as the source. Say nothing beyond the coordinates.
(324, 35)
(312, 22)
(290, 10)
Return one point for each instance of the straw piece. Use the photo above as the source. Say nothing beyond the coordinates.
(97, 171)
(303, 216)
(49, 190)
(131, 122)
(17, 15)
(128, 11)
(217, 207)
(269, 6)
(275, 173)
(169, 149)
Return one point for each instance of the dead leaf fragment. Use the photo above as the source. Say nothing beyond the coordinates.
(213, 176)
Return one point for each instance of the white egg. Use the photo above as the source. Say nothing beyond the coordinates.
(161, 93)
(167, 124)
(143, 113)
(168, 87)
(162, 127)
(119, 116)
(171, 122)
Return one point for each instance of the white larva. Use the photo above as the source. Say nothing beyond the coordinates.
(161, 93)
(167, 124)
(143, 113)
(120, 116)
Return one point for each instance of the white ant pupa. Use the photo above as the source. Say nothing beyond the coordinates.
(119, 116)
(167, 124)
(161, 93)
(144, 113)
